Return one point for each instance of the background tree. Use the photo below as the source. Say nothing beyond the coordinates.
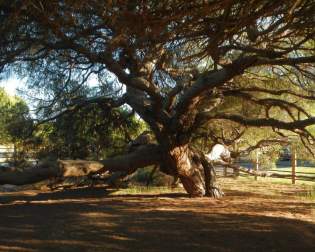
(175, 63)
(4, 104)
(89, 133)
(15, 125)
(245, 141)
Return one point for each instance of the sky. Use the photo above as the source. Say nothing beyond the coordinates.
(10, 85)
(13, 83)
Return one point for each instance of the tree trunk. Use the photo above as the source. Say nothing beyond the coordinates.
(212, 189)
(194, 171)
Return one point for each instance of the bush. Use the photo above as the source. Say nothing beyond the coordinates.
(148, 176)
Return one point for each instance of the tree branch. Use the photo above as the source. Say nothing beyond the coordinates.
(124, 164)
(260, 122)
(80, 103)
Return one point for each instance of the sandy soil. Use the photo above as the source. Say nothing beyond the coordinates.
(265, 218)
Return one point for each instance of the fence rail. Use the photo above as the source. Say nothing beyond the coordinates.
(293, 174)
(6, 154)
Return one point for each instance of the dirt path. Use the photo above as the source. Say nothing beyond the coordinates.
(91, 220)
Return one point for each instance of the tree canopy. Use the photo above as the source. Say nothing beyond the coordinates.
(15, 123)
(180, 65)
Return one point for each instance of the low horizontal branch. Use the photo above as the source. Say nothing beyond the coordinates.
(143, 156)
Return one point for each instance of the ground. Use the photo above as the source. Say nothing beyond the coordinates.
(253, 216)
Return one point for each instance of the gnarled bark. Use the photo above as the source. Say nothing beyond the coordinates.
(189, 172)
(194, 171)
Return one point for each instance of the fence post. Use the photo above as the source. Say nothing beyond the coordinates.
(256, 164)
(293, 164)
(236, 173)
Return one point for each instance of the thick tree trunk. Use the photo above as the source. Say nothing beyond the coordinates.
(195, 172)
(189, 172)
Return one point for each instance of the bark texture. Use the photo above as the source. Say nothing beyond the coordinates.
(195, 172)
(123, 165)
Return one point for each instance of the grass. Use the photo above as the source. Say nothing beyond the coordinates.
(302, 190)
(265, 186)
(137, 189)
(308, 194)
(300, 170)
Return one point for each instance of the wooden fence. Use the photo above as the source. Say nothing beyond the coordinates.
(293, 174)
(6, 153)
(299, 176)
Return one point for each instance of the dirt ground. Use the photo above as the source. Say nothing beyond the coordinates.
(264, 218)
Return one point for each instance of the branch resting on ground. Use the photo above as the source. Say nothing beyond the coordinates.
(124, 164)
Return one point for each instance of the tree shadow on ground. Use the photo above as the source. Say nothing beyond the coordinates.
(90, 220)
(77, 193)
